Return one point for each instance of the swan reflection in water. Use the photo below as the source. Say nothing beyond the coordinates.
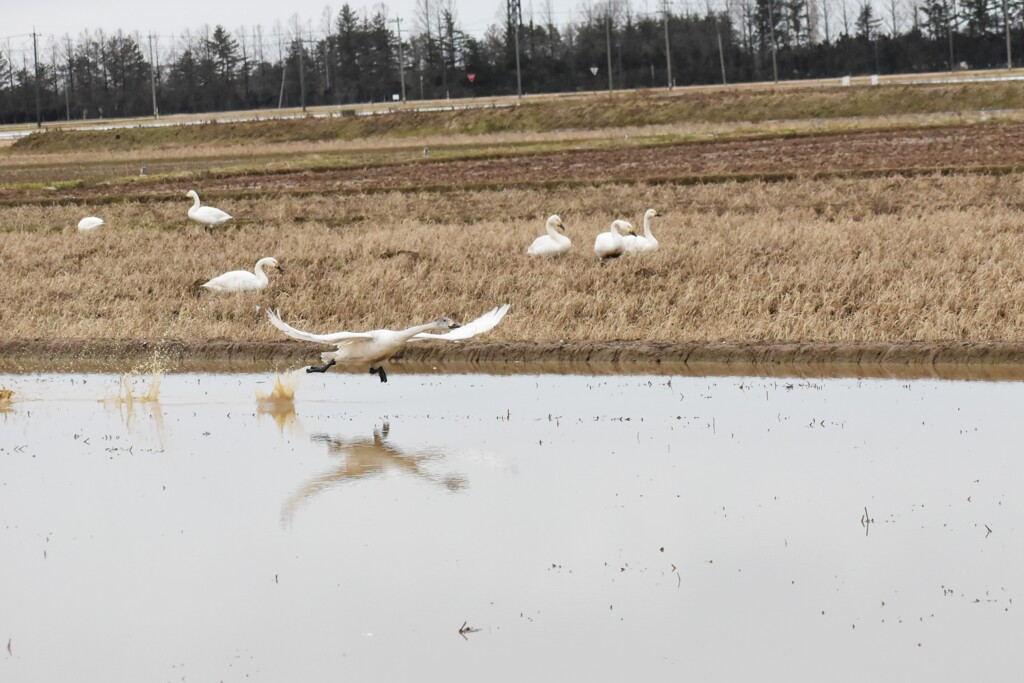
(363, 458)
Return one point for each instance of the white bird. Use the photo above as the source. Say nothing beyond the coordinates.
(551, 244)
(243, 280)
(610, 244)
(639, 244)
(89, 223)
(373, 347)
(207, 215)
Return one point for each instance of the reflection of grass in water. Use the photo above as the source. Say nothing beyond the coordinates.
(127, 397)
(126, 391)
(6, 399)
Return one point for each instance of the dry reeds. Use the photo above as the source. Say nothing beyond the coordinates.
(887, 259)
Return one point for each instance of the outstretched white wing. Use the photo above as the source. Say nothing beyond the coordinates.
(334, 338)
(484, 323)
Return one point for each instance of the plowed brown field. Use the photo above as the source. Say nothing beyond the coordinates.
(994, 147)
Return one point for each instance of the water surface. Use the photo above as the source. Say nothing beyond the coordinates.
(600, 528)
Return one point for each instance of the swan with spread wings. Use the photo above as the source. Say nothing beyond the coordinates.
(376, 346)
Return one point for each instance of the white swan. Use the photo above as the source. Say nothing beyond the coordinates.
(646, 242)
(609, 244)
(551, 244)
(243, 280)
(207, 215)
(373, 347)
(89, 223)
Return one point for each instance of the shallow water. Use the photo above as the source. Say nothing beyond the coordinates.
(591, 528)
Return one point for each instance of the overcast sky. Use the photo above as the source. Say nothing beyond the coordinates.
(57, 17)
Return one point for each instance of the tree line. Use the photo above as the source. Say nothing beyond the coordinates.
(356, 56)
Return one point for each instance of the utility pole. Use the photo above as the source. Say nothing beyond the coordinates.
(1006, 25)
(401, 59)
(950, 22)
(771, 25)
(668, 49)
(608, 48)
(67, 102)
(284, 70)
(35, 78)
(152, 77)
(515, 17)
(302, 76)
(721, 55)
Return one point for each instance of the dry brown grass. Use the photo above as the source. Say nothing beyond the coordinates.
(927, 258)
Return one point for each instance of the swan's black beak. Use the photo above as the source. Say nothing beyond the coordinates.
(280, 269)
(453, 326)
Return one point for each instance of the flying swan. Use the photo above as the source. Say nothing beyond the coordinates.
(642, 243)
(610, 244)
(551, 244)
(89, 223)
(373, 347)
(243, 280)
(207, 215)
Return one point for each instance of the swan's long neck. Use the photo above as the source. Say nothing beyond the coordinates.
(552, 233)
(647, 228)
(413, 331)
(195, 201)
(260, 275)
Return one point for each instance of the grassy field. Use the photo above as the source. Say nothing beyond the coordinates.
(893, 259)
(630, 109)
(833, 237)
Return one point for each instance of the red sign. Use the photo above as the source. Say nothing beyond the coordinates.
(471, 77)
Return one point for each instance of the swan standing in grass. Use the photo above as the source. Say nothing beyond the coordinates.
(207, 215)
(610, 244)
(243, 280)
(89, 223)
(373, 347)
(551, 244)
(640, 244)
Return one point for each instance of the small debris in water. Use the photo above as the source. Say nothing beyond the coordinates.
(465, 628)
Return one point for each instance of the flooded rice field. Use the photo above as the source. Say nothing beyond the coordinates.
(507, 528)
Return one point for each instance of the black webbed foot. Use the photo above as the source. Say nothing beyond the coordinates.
(380, 373)
(320, 368)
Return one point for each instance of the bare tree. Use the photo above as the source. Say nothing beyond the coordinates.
(894, 19)
(326, 19)
(243, 43)
(826, 21)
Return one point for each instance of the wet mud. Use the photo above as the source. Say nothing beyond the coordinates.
(954, 360)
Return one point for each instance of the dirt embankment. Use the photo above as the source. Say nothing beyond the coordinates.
(980, 360)
(991, 147)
